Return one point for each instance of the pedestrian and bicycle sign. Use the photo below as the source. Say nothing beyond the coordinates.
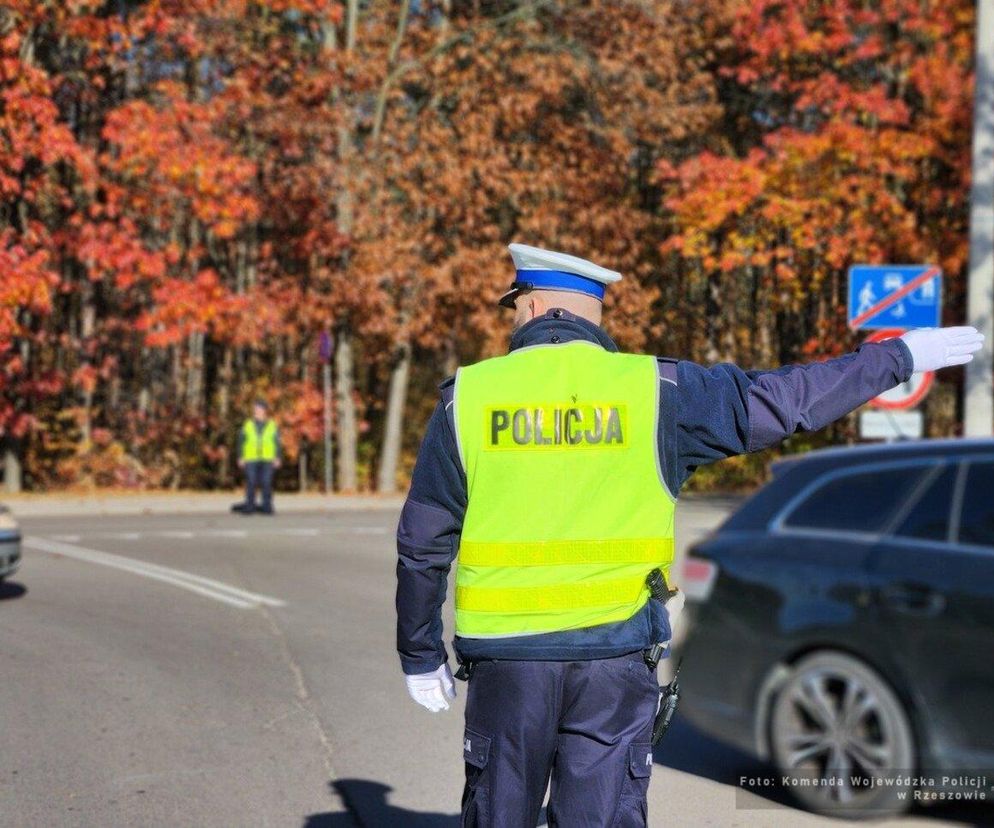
(894, 296)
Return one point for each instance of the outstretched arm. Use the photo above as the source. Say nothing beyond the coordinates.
(809, 397)
(723, 411)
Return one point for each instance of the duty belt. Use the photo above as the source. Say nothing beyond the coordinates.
(669, 696)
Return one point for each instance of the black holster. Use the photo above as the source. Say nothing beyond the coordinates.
(669, 696)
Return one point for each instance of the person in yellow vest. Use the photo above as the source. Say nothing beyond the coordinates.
(552, 472)
(259, 454)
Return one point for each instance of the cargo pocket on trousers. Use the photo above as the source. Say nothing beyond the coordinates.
(476, 794)
(633, 808)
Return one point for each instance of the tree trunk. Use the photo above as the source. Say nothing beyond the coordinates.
(224, 410)
(302, 467)
(12, 478)
(178, 383)
(351, 23)
(87, 426)
(713, 313)
(450, 363)
(348, 436)
(386, 482)
(348, 439)
(305, 376)
(88, 324)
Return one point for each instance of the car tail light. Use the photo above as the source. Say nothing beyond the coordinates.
(697, 578)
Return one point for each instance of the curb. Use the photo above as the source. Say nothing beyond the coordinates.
(185, 503)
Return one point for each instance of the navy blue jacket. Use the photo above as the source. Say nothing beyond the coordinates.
(706, 414)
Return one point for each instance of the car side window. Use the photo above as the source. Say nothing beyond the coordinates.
(929, 517)
(976, 523)
(859, 502)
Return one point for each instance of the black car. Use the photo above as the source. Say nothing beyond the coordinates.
(10, 543)
(841, 625)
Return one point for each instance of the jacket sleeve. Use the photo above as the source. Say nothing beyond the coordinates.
(427, 542)
(723, 411)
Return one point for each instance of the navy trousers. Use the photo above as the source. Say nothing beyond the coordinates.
(584, 725)
(259, 475)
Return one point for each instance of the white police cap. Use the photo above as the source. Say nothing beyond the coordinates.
(538, 269)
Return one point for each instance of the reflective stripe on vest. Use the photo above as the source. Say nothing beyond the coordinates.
(256, 446)
(567, 514)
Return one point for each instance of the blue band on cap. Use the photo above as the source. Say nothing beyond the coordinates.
(561, 280)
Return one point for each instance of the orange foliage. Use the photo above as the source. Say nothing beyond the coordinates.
(190, 192)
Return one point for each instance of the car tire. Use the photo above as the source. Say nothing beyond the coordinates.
(841, 739)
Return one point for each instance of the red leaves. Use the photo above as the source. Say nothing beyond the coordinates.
(115, 251)
(26, 284)
(192, 189)
(184, 306)
(171, 159)
(85, 377)
(845, 101)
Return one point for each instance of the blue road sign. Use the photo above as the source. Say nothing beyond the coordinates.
(894, 296)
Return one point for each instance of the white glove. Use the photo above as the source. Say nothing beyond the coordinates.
(934, 348)
(432, 690)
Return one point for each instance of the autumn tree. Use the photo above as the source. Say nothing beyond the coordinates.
(845, 138)
(537, 122)
(191, 193)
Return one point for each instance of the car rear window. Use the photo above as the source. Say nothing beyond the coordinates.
(976, 523)
(858, 502)
(929, 518)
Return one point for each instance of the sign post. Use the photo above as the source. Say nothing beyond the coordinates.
(978, 394)
(326, 346)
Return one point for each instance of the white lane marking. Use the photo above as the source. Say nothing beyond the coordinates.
(168, 576)
(208, 587)
(186, 534)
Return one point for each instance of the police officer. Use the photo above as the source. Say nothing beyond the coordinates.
(259, 453)
(553, 473)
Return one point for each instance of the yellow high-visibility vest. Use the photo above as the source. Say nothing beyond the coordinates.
(567, 511)
(256, 446)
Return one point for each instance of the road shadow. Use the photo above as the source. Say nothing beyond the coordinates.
(10, 589)
(687, 749)
(369, 800)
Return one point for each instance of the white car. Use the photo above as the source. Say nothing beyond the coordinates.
(10, 543)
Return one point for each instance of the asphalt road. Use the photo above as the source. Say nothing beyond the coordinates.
(228, 671)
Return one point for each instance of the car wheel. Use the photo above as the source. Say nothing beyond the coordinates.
(841, 740)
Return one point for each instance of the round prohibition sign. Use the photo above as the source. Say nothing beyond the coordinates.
(907, 394)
